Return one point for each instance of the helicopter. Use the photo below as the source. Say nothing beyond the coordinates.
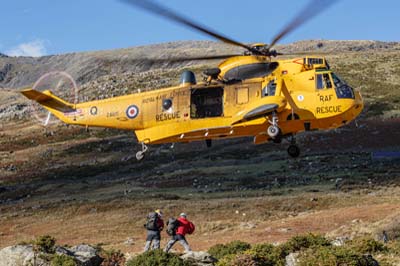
(247, 94)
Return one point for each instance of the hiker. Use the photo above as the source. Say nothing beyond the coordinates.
(154, 226)
(385, 237)
(177, 229)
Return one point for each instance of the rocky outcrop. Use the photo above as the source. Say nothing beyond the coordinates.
(23, 255)
(86, 255)
(20, 255)
(4, 71)
(292, 259)
(199, 258)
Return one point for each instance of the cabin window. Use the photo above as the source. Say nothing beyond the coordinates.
(323, 81)
(242, 95)
(206, 102)
(313, 61)
(270, 89)
(166, 104)
(249, 71)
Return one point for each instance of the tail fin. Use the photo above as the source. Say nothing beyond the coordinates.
(49, 100)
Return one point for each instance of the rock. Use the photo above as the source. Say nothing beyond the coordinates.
(199, 258)
(129, 242)
(86, 255)
(20, 255)
(339, 241)
(23, 255)
(63, 251)
(284, 230)
(292, 259)
(247, 225)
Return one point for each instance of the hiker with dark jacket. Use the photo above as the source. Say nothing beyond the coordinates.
(183, 227)
(154, 226)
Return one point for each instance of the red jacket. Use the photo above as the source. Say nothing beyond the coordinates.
(185, 227)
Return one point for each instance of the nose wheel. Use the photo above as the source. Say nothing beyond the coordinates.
(140, 154)
(273, 130)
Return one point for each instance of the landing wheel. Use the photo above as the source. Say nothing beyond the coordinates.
(293, 150)
(139, 155)
(273, 131)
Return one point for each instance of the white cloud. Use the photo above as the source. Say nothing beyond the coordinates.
(34, 48)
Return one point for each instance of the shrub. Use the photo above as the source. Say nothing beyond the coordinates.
(301, 242)
(157, 258)
(245, 260)
(394, 247)
(226, 260)
(319, 256)
(220, 250)
(62, 260)
(340, 256)
(44, 244)
(263, 249)
(112, 258)
(367, 245)
(266, 254)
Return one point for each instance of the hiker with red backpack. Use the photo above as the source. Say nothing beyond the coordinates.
(177, 229)
(154, 226)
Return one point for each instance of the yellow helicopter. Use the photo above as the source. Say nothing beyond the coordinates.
(246, 95)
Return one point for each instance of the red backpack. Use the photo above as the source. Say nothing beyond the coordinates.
(190, 228)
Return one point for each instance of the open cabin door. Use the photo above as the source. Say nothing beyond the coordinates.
(206, 102)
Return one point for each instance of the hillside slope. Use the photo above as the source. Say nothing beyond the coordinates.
(16, 72)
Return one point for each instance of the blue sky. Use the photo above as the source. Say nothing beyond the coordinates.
(41, 27)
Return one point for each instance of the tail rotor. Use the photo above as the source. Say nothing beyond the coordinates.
(62, 85)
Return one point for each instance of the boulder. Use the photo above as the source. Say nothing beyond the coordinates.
(86, 255)
(23, 255)
(292, 259)
(20, 255)
(199, 258)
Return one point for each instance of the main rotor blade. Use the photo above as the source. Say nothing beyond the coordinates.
(313, 8)
(199, 58)
(173, 59)
(162, 11)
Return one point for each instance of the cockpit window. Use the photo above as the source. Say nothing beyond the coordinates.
(249, 71)
(338, 82)
(323, 81)
(343, 90)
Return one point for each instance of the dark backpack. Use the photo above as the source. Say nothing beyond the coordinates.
(151, 223)
(172, 225)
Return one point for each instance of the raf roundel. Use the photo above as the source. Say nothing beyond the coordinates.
(132, 111)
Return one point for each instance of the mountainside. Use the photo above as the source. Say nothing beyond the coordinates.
(16, 72)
